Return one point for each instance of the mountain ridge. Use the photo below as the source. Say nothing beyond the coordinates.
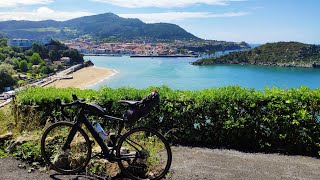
(107, 25)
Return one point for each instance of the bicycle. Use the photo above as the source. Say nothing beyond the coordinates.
(141, 153)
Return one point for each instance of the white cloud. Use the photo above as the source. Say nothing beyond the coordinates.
(42, 13)
(179, 16)
(10, 3)
(163, 3)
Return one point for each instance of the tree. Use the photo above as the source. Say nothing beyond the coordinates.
(35, 59)
(16, 49)
(3, 41)
(74, 55)
(6, 72)
(20, 55)
(44, 70)
(29, 66)
(23, 66)
(41, 50)
(2, 57)
(212, 52)
(37, 48)
(57, 45)
(54, 55)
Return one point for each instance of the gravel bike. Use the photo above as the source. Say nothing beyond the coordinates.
(141, 153)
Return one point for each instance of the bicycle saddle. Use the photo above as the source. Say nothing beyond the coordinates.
(127, 102)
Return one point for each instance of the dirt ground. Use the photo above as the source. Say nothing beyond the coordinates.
(202, 163)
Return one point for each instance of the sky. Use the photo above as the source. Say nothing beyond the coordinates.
(253, 21)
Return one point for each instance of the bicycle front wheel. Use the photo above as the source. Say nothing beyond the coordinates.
(72, 160)
(144, 154)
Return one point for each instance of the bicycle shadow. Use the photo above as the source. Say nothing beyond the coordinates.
(58, 176)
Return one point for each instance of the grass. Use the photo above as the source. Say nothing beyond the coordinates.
(68, 30)
(6, 120)
(3, 123)
(30, 147)
(48, 29)
(151, 145)
(6, 123)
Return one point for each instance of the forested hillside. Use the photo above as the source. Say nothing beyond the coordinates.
(101, 26)
(290, 54)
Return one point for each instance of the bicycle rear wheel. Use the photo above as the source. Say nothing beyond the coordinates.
(72, 160)
(144, 154)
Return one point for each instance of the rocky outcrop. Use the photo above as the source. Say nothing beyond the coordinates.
(5, 137)
(316, 65)
(88, 63)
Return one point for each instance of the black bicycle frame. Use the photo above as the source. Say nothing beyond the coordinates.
(82, 119)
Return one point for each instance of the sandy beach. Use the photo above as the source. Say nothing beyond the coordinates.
(84, 78)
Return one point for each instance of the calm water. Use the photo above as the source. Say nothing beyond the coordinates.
(178, 73)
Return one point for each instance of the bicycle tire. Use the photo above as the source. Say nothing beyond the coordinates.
(45, 148)
(149, 173)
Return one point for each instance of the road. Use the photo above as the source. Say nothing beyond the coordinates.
(202, 163)
(5, 102)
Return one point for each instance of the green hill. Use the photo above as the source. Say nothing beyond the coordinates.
(289, 54)
(101, 26)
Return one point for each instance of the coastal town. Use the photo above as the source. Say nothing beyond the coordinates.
(137, 47)
(145, 48)
(133, 48)
(91, 47)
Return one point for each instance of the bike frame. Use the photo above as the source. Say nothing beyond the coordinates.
(82, 119)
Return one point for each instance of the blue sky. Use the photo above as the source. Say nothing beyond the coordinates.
(253, 21)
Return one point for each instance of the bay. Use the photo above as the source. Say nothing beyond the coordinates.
(178, 73)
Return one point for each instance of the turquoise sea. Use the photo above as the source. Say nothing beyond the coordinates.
(178, 73)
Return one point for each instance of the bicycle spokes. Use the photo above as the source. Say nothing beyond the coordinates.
(145, 154)
(73, 158)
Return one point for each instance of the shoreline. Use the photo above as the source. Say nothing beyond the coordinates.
(195, 63)
(114, 72)
(85, 78)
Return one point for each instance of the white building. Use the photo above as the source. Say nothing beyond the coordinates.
(27, 43)
(65, 59)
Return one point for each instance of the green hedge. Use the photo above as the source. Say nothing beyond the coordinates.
(232, 117)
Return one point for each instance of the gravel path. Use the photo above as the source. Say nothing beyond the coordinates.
(202, 163)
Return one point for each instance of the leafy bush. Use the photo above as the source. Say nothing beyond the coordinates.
(29, 151)
(3, 153)
(232, 117)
